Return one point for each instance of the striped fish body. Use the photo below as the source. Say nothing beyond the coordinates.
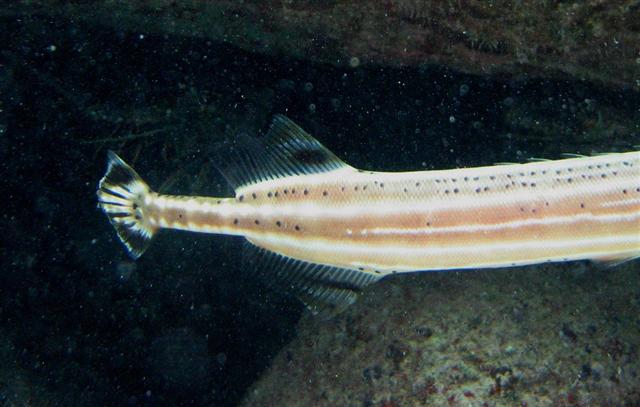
(302, 203)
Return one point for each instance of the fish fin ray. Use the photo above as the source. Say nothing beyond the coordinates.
(286, 150)
(121, 195)
(325, 290)
(611, 262)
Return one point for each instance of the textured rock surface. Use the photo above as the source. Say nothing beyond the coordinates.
(591, 40)
(539, 336)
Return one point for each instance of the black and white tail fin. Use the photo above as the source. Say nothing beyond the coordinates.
(122, 195)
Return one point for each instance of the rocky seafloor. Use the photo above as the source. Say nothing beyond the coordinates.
(539, 336)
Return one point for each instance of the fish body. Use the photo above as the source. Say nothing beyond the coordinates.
(306, 208)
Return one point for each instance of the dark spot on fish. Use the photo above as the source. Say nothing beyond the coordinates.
(546, 203)
(138, 217)
(456, 190)
(382, 185)
(486, 188)
(286, 191)
(278, 223)
(135, 206)
(446, 191)
(478, 190)
(603, 175)
(466, 178)
(306, 192)
(533, 184)
(361, 268)
(253, 195)
(219, 202)
(624, 191)
(269, 194)
(179, 216)
(275, 194)
(257, 222)
(582, 205)
(492, 177)
(293, 191)
(296, 227)
(241, 198)
(325, 193)
(355, 188)
(417, 184)
(569, 180)
(364, 187)
(405, 190)
(235, 221)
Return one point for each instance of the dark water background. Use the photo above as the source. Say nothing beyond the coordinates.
(83, 325)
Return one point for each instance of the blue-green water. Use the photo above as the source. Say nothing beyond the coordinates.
(81, 324)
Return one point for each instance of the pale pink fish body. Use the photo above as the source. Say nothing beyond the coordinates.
(378, 223)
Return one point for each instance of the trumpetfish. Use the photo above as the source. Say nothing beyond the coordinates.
(325, 230)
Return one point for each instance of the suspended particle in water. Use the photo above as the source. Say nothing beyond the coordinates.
(308, 86)
(464, 89)
(452, 119)
(354, 62)
(312, 107)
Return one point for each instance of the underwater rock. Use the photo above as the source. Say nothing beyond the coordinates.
(451, 339)
(588, 40)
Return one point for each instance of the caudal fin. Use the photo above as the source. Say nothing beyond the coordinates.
(122, 196)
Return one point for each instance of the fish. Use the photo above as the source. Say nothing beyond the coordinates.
(324, 230)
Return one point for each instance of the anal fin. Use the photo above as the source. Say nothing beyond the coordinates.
(325, 290)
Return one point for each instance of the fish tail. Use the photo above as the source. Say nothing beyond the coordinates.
(123, 196)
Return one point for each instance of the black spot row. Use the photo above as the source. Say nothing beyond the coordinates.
(257, 222)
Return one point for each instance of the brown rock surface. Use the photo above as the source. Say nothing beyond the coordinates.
(538, 336)
(591, 40)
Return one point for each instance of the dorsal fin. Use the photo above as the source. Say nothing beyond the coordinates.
(325, 290)
(286, 150)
